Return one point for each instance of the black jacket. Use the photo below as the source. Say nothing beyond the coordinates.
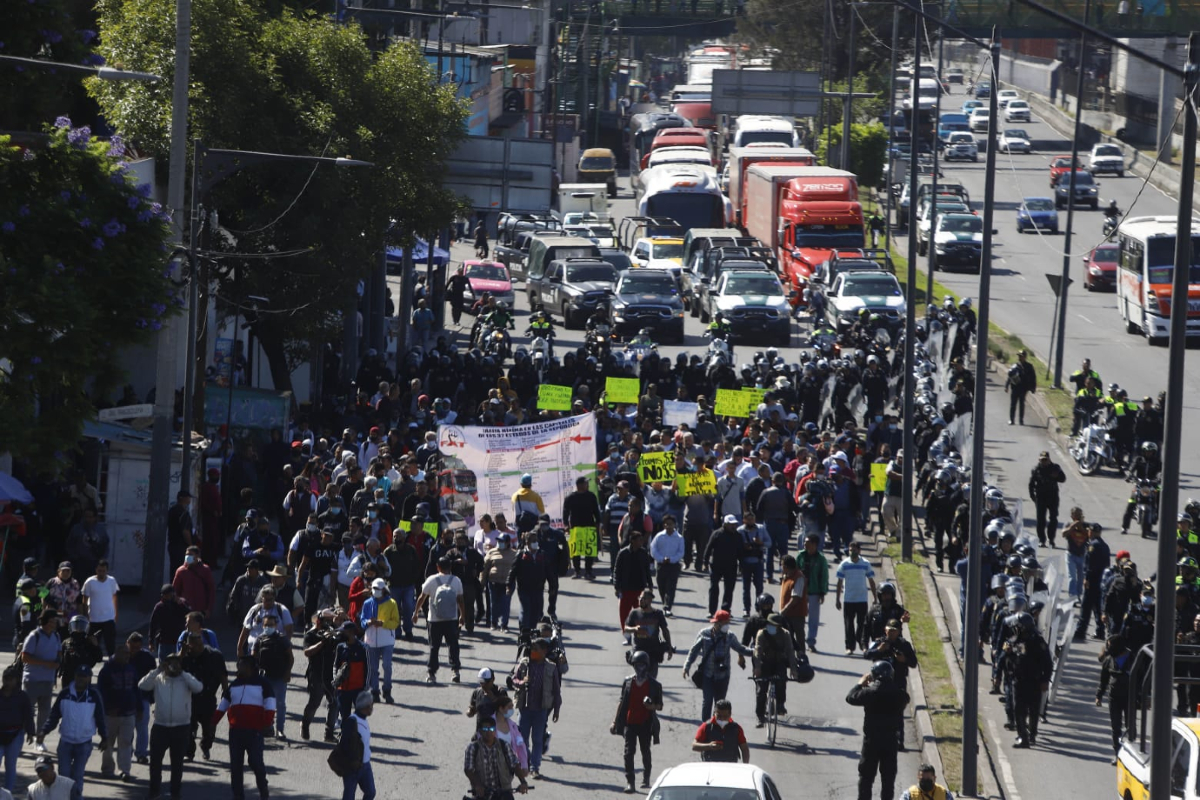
(528, 573)
(655, 694)
(1044, 481)
(881, 702)
(883, 650)
(725, 550)
(631, 572)
(581, 510)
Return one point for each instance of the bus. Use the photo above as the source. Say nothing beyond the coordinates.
(642, 130)
(1145, 271)
(687, 193)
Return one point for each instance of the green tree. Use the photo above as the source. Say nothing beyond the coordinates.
(52, 30)
(868, 150)
(84, 275)
(298, 84)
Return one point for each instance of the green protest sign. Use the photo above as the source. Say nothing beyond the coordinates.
(552, 397)
(621, 390)
(656, 467)
(730, 403)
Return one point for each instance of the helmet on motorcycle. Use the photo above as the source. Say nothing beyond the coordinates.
(964, 303)
(882, 671)
(78, 624)
(644, 332)
(1150, 448)
(764, 601)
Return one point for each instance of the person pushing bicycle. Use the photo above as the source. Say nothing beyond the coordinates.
(774, 661)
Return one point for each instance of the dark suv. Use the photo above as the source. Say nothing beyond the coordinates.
(573, 288)
(648, 298)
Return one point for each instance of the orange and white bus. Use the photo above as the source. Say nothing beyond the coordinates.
(1145, 272)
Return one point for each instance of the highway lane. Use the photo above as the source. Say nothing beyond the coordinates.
(1022, 301)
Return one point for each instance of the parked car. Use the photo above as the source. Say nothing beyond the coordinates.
(1018, 111)
(971, 104)
(961, 147)
(1037, 213)
(1100, 267)
(1107, 158)
(980, 119)
(1015, 140)
(1087, 190)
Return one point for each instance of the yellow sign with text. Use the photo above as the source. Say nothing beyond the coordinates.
(654, 467)
(621, 390)
(693, 483)
(552, 397)
(878, 477)
(730, 403)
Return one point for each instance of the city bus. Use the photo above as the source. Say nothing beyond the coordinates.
(687, 193)
(1146, 269)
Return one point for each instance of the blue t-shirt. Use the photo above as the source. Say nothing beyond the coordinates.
(854, 575)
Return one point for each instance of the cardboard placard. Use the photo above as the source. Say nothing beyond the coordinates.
(691, 483)
(679, 412)
(552, 397)
(754, 396)
(730, 403)
(656, 467)
(621, 390)
(878, 477)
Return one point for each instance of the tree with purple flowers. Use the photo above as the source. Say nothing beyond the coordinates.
(84, 266)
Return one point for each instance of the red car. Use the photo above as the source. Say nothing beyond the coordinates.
(1061, 165)
(1100, 266)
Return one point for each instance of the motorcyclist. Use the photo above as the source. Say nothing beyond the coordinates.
(1145, 467)
(600, 317)
(1112, 213)
(642, 339)
(501, 317)
(719, 328)
(540, 325)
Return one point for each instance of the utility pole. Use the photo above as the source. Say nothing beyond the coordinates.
(1061, 322)
(847, 106)
(166, 343)
(1161, 755)
(910, 318)
(887, 218)
(970, 754)
(937, 115)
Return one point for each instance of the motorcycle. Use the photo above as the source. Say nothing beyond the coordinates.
(1145, 494)
(598, 341)
(1110, 225)
(497, 343)
(1094, 447)
(638, 348)
(542, 343)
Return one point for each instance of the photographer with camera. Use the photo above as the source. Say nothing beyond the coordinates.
(320, 647)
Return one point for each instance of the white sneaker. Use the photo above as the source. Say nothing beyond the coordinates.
(41, 748)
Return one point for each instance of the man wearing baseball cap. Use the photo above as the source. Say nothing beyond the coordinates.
(710, 654)
(49, 785)
(81, 711)
(484, 697)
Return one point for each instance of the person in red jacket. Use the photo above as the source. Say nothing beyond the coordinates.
(194, 582)
(211, 537)
(250, 702)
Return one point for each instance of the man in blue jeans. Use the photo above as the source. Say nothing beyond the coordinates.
(539, 698)
(844, 518)
(710, 653)
(775, 509)
(755, 549)
(81, 712)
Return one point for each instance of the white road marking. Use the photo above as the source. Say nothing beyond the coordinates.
(1006, 771)
(1085, 319)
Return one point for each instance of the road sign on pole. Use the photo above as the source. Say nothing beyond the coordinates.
(1055, 282)
(748, 91)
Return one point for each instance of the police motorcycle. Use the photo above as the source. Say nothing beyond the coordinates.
(639, 346)
(1094, 446)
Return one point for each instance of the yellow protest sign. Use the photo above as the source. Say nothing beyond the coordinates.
(878, 477)
(584, 542)
(691, 483)
(656, 467)
(431, 528)
(730, 403)
(753, 397)
(552, 397)
(621, 390)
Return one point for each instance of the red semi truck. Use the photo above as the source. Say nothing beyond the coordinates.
(804, 213)
(740, 159)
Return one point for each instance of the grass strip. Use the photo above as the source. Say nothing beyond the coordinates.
(1002, 345)
(940, 696)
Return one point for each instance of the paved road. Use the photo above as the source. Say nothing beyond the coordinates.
(1022, 302)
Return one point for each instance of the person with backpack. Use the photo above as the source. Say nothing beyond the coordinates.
(349, 670)
(636, 720)
(710, 653)
(355, 745)
(250, 703)
(443, 593)
(273, 652)
(527, 505)
(380, 618)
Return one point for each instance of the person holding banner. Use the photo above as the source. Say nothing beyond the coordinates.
(581, 518)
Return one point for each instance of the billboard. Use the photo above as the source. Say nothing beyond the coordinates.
(751, 91)
(501, 174)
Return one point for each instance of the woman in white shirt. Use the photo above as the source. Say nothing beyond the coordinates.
(506, 728)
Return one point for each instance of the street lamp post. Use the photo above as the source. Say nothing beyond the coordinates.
(210, 166)
(103, 73)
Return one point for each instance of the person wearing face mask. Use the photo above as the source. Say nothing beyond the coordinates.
(553, 543)
(636, 720)
(273, 652)
(774, 660)
(375, 528)
(711, 653)
(253, 624)
(194, 582)
(265, 545)
(720, 738)
(379, 620)
(245, 591)
(927, 787)
(538, 683)
(250, 703)
(497, 565)
(317, 567)
(507, 729)
(469, 568)
(405, 574)
(527, 578)
(173, 689)
(648, 627)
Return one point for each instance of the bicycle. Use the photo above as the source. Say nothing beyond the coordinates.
(772, 708)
